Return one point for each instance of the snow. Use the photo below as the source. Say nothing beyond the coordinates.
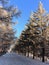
(15, 59)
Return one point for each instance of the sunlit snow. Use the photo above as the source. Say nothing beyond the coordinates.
(15, 59)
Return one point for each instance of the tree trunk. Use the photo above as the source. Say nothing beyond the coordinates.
(43, 54)
(28, 50)
(33, 54)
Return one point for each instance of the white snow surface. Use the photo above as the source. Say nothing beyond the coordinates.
(15, 59)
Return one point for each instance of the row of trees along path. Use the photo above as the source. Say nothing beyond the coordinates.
(35, 38)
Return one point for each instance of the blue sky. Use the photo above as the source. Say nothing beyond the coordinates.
(26, 7)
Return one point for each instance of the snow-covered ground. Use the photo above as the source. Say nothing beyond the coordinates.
(15, 59)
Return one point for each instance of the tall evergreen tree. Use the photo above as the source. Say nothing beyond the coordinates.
(41, 19)
(7, 33)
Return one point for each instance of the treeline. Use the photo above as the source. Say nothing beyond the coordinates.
(35, 38)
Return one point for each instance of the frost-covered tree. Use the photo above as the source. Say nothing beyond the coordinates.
(36, 28)
(41, 19)
(7, 33)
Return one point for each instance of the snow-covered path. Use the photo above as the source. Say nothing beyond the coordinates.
(15, 59)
